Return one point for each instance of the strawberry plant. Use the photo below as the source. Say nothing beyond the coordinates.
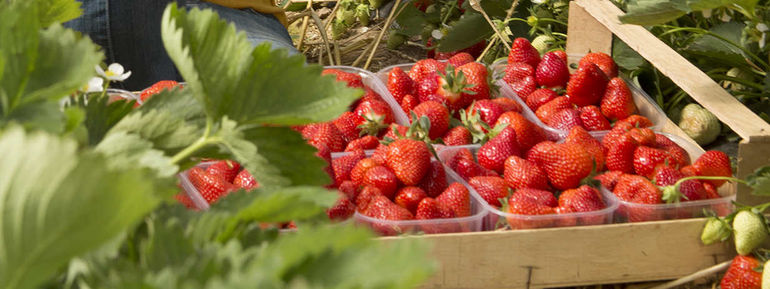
(87, 189)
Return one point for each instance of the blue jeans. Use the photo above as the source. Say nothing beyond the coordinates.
(129, 33)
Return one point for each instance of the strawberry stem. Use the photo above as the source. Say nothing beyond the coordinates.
(672, 194)
(201, 142)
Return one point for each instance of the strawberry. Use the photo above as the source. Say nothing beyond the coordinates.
(428, 209)
(476, 77)
(360, 168)
(647, 158)
(183, 199)
(582, 199)
(545, 111)
(520, 173)
(527, 133)
(488, 110)
(409, 102)
(382, 178)
(425, 67)
(342, 166)
(530, 202)
(451, 88)
(742, 275)
(377, 116)
(211, 187)
(677, 153)
(350, 189)
(620, 128)
(367, 142)
(620, 154)
(638, 189)
(491, 189)
(524, 87)
(227, 170)
(688, 171)
(593, 119)
(580, 136)
(587, 85)
(458, 136)
(155, 89)
(567, 165)
(342, 209)
(561, 54)
(352, 79)
(644, 136)
(435, 181)
(465, 166)
(507, 104)
(365, 197)
(380, 154)
(399, 84)
(410, 197)
(515, 72)
(438, 115)
(382, 208)
(245, 181)
(370, 95)
(457, 199)
(609, 179)
(617, 102)
(552, 71)
(492, 154)
(326, 134)
(603, 61)
(460, 59)
(409, 160)
(393, 128)
(522, 51)
(691, 190)
(637, 121)
(537, 154)
(347, 123)
(713, 163)
(540, 97)
(565, 119)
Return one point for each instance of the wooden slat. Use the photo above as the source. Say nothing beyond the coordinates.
(572, 256)
(751, 155)
(686, 75)
(585, 34)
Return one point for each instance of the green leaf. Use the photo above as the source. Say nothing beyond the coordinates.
(50, 213)
(469, 30)
(710, 48)
(700, 5)
(759, 181)
(126, 150)
(653, 12)
(39, 115)
(411, 21)
(230, 138)
(52, 11)
(625, 57)
(285, 149)
(251, 85)
(101, 116)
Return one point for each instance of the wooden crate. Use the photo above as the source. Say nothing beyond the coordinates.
(618, 253)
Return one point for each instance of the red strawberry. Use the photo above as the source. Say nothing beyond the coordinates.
(593, 119)
(367, 142)
(530, 202)
(567, 165)
(227, 170)
(713, 163)
(465, 166)
(677, 153)
(638, 189)
(458, 136)
(582, 199)
(360, 168)
(587, 85)
(342, 166)
(537, 154)
(637, 121)
(561, 54)
(515, 72)
(183, 199)
(399, 84)
(524, 87)
(540, 97)
(347, 123)
(425, 67)
(457, 199)
(742, 274)
(492, 154)
(552, 71)
(435, 181)
(365, 198)
(245, 181)
(369, 96)
(644, 136)
(688, 171)
(409, 102)
(609, 179)
(380, 154)
(410, 197)
(325, 134)
(476, 77)
(382, 208)
(352, 79)
(647, 158)
(382, 178)
(438, 115)
(620, 154)
(691, 190)
(409, 160)
(507, 104)
(491, 189)
(617, 102)
(619, 129)
(565, 119)
(211, 187)
(342, 209)
(155, 89)
(350, 189)
(527, 133)
(580, 136)
(488, 110)
(522, 51)
(428, 209)
(390, 132)
(450, 88)
(460, 59)
(545, 111)
(377, 116)
(520, 173)
(603, 61)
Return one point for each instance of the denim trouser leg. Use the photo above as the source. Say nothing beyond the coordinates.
(129, 33)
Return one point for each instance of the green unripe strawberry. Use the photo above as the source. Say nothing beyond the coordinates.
(362, 13)
(395, 39)
(375, 3)
(542, 43)
(749, 230)
(338, 28)
(347, 16)
(737, 73)
(766, 276)
(699, 124)
(715, 230)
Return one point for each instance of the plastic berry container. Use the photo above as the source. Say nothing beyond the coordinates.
(646, 106)
(497, 219)
(634, 212)
(116, 94)
(371, 81)
(190, 190)
(472, 223)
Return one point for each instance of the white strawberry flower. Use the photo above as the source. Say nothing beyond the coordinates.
(115, 72)
(96, 84)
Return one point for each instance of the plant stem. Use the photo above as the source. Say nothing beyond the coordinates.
(738, 80)
(201, 142)
(552, 21)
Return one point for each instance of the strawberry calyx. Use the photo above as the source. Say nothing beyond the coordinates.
(453, 83)
(372, 124)
(477, 127)
(591, 180)
(672, 194)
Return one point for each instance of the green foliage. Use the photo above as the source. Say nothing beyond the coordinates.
(647, 12)
(759, 181)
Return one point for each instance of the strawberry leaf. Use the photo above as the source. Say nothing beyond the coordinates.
(651, 12)
(275, 143)
(759, 181)
(126, 150)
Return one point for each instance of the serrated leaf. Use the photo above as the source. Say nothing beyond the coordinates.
(251, 85)
(285, 149)
(411, 21)
(625, 57)
(230, 138)
(101, 116)
(53, 11)
(700, 5)
(39, 115)
(653, 12)
(469, 30)
(50, 214)
(714, 49)
(759, 181)
(126, 150)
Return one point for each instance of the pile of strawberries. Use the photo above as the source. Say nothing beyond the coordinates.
(644, 166)
(459, 88)
(594, 94)
(399, 181)
(217, 180)
(523, 180)
(355, 129)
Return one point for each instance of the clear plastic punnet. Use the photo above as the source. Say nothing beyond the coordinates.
(374, 83)
(190, 190)
(646, 106)
(497, 219)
